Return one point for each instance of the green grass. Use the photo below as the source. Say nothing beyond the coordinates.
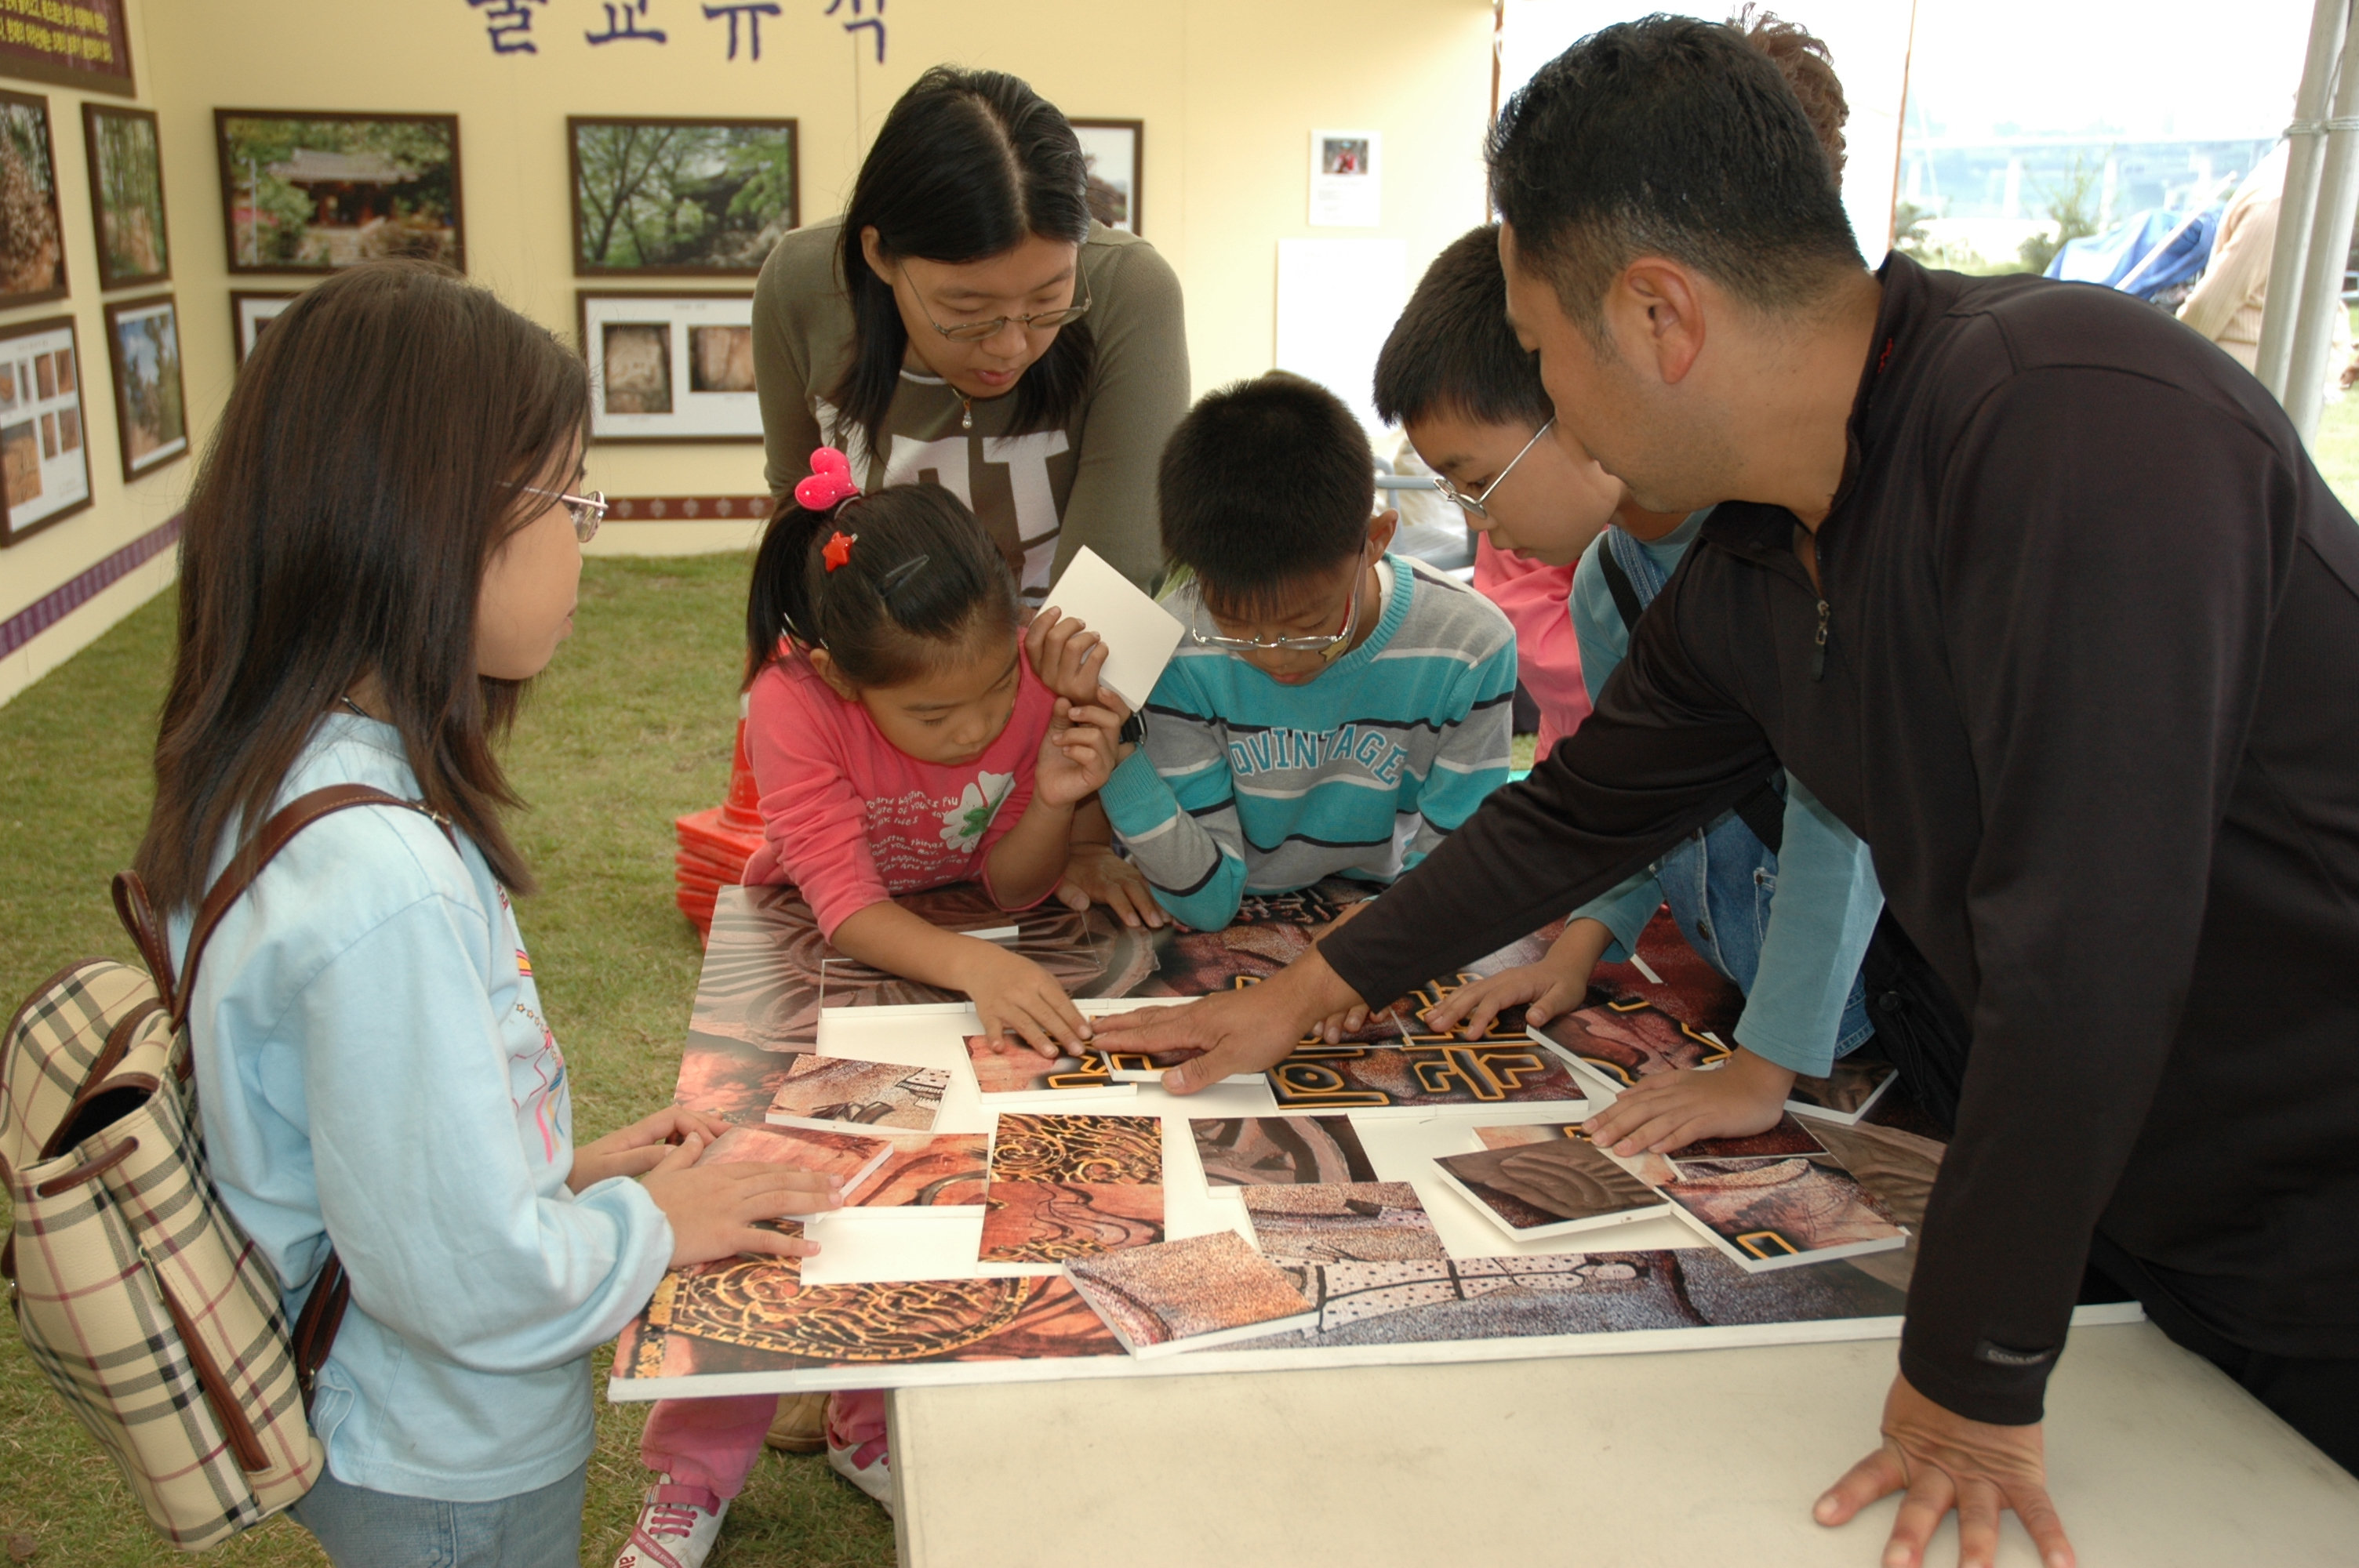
(630, 727)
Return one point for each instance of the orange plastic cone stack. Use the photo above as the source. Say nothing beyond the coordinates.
(715, 844)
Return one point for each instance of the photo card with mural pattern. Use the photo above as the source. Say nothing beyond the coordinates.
(768, 970)
(1781, 1139)
(842, 1091)
(1012, 1070)
(1850, 1090)
(1039, 1225)
(930, 1172)
(1279, 1150)
(740, 1317)
(1191, 1294)
(852, 1156)
(1779, 1214)
(1413, 1079)
(1115, 1149)
(1675, 978)
(1551, 1186)
(1363, 1222)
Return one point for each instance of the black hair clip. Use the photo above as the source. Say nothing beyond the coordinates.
(892, 579)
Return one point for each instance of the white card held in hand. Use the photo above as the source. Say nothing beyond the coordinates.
(1139, 633)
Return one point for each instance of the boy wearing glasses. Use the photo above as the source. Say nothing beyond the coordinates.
(1334, 709)
(1777, 895)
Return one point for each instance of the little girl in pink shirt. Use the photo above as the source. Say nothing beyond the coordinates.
(902, 738)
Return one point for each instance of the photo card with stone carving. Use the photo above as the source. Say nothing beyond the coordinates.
(928, 1173)
(1350, 1222)
(842, 1091)
(1413, 1079)
(854, 1156)
(1191, 1294)
(1551, 1186)
(1011, 1070)
(1279, 1150)
(1780, 1213)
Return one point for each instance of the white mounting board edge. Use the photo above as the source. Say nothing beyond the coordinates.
(1629, 1342)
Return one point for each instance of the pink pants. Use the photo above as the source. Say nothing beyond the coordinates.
(713, 1443)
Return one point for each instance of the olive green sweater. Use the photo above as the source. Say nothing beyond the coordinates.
(1043, 493)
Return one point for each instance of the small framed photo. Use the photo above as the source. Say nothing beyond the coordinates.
(314, 191)
(126, 195)
(143, 341)
(32, 240)
(43, 443)
(1347, 178)
(671, 367)
(1116, 151)
(680, 198)
(252, 309)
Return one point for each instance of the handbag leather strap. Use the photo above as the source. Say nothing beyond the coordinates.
(323, 1311)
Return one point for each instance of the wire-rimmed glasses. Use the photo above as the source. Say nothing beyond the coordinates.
(587, 511)
(1039, 321)
(1325, 644)
(1476, 503)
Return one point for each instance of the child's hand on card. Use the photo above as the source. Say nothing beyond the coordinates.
(1079, 754)
(1744, 1094)
(1016, 997)
(1067, 657)
(636, 1149)
(1096, 874)
(716, 1211)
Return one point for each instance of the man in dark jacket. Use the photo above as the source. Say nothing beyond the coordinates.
(2040, 594)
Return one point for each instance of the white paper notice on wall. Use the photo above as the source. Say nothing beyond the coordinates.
(1336, 301)
(1139, 633)
(1347, 179)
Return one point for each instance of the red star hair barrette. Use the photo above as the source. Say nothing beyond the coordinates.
(837, 550)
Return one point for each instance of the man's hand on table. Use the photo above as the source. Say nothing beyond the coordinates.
(1241, 1032)
(1944, 1460)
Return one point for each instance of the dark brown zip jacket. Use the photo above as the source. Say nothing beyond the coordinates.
(2085, 677)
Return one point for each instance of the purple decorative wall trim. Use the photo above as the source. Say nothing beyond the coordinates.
(687, 508)
(63, 600)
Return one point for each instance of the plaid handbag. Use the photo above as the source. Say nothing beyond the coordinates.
(149, 1311)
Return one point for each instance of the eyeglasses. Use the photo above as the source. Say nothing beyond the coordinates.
(976, 331)
(588, 511)
(1323, 644)
(1475, 503)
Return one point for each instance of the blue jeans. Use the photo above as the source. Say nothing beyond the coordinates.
(361, 1529)
(1719, 883)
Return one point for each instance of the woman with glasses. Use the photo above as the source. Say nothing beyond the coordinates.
(968, 321)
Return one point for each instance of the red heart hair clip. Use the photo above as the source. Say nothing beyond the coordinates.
(829, 483)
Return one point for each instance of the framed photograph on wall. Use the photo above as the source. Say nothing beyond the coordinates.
(671, 367)
(151, 416)
(313, 190)
(32, 240)
(126, 195)
(43, 436)
(680, 198)
(252, 309)
(1116, 151)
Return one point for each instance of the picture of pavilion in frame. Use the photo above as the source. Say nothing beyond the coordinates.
(313, 192)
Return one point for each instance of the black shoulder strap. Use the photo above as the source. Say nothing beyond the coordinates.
(1618, 584)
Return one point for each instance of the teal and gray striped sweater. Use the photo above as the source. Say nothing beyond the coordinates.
(1246, 785)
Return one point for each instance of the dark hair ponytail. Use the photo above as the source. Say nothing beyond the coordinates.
(969, 165)
(920, 580)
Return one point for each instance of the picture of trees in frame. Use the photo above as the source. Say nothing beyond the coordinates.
(680, 198)
(32, 240)
(126, 195)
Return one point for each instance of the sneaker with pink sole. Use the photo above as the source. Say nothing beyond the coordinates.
(855, 1442)
(676, 1528)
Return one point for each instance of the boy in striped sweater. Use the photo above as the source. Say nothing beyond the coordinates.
(1333, 709)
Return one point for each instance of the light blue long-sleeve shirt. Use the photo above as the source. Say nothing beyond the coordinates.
(374, 1068)
(1827, 898)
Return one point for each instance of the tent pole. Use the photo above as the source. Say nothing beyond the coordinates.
(2329, 245)
(2330, 22)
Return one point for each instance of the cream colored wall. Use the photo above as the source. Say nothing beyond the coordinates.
(1229, 91)
(33, 567)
